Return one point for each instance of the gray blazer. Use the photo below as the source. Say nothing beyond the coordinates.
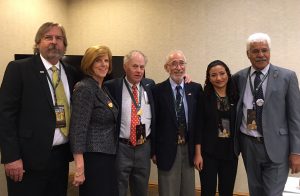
(281, 112)
(93, 121)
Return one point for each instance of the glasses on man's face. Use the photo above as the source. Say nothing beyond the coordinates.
(51, 37)
(175, 64)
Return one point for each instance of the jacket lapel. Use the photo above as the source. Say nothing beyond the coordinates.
(188, 95)
(118, 91)
(105, 100)
(69, 77)
(169, 100)
(41, 73)
(242, 81)
(273, 74)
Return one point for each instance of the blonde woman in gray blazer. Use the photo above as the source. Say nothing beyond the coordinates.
(93, 135)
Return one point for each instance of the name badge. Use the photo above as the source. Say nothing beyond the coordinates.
(60, 116)
(224, 128)
(251, 119)
(140, 134)
(181, 134)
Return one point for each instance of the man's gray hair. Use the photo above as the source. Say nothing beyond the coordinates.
(128, 56)
(258, 37)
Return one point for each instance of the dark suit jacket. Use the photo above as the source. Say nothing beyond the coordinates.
(27, 118)
(166, 122)
(93, 122)
(210, 130)
(115, 87)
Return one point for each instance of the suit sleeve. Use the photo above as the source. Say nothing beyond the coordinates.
(82, 107)
(10, 103)
(293, 113)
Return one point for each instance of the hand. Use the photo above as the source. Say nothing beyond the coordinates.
(187, 79)
(294, 162)
(79, 178)
(198, 162)
(154, 159)
(14, 170)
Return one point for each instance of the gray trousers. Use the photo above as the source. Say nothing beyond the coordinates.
(265, 178)
(180, 180)
(133, 168)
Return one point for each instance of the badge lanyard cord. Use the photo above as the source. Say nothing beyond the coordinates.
(56, 85)
(254, 91)
(137, 105)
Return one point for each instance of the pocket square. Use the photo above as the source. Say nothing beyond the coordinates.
(189, 94)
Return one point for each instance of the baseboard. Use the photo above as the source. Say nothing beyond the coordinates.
(197, 190)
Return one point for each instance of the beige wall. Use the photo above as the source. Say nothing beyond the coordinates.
(204, 29)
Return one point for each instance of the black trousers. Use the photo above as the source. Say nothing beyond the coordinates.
(223, 171)
(100, 175)
(52, 181)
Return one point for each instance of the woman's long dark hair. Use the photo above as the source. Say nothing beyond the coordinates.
(231, 90)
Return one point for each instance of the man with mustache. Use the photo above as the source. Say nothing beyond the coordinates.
(268, 120)
(34, 117)
(177, 136)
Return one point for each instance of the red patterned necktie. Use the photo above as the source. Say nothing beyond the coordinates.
(134, 116)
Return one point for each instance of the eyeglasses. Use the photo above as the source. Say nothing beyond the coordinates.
(51, 37)
(174, 64)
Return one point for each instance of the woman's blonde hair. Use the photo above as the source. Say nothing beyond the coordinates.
(90, 56)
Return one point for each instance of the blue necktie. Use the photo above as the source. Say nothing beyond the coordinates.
(180, 108)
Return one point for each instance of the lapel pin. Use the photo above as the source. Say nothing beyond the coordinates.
(42, 72)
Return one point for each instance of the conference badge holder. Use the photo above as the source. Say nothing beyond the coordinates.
(181, 134)
(251, 119)
(140, 134)
(60, 116)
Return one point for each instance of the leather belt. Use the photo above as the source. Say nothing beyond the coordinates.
(128, 142)
(256, 139)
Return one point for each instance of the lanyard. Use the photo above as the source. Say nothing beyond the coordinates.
(254, 91)
(57, 83)
(137, 105)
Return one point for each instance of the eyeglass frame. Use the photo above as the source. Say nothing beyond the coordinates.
(175, 64)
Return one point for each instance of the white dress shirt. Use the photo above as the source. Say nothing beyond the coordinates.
(248, 99)
(126, 110)
(59, 138)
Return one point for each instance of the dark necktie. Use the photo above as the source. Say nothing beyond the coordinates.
(258, 95)
(180, 108)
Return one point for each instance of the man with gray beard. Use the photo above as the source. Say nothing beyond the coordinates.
(34, 117)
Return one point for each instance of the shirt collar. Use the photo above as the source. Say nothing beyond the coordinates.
(264, 71)
(130, 84)
(174, 84)
(47, 64)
